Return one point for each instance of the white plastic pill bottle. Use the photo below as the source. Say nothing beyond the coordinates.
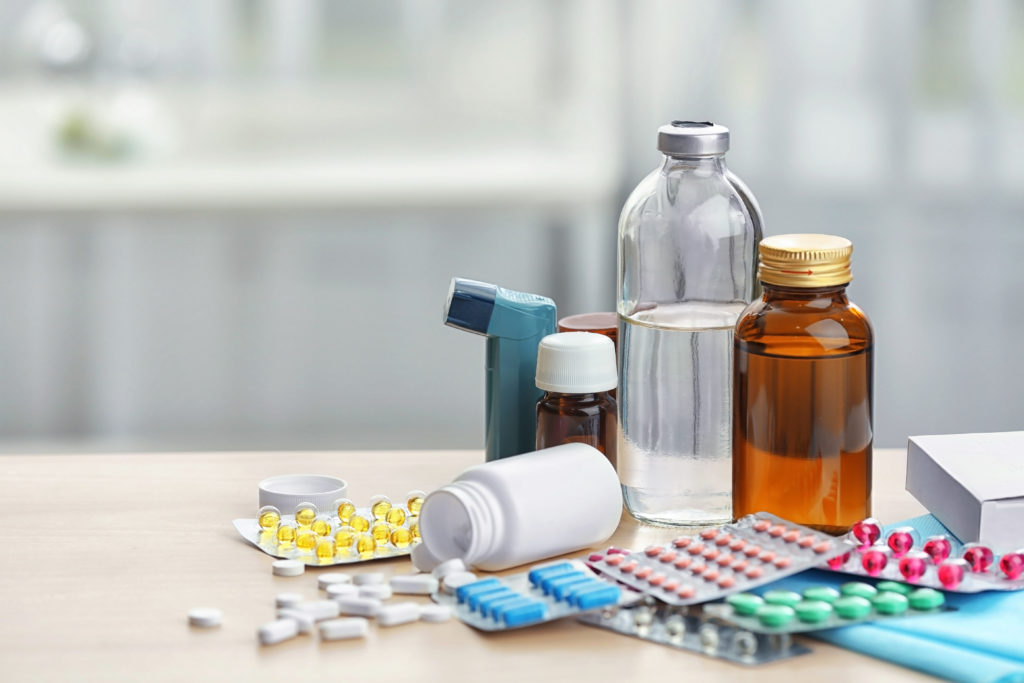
(524, 508)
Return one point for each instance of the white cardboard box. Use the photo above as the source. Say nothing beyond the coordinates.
(973, 484)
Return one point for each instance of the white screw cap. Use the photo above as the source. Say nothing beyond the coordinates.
(576, 363)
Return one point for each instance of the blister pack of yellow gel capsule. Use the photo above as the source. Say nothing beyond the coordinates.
(341, 535)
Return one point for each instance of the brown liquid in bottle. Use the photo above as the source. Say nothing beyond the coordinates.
(802, 400)
(578, 418)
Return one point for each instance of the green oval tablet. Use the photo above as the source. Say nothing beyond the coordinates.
(888, 602)
(926, 598)
(852, 607)
(744, 603)
(822, 593)
(894, 587)
(813, 611)
(787, 598)
(859, 589)
(775, 615)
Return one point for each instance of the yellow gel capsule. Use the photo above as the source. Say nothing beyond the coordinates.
(414, 501)
(401, 537)
(379, 506)
(325, 548)
(395, 516)
(286, 533)
(359, 523)
(381, 533)
(366, 544)
(345, 509)
(306, 539)
(305, 513)
(268, 517)
(344, 538)
(321, 526)
(414, 528)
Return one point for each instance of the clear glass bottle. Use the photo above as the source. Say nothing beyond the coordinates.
(803, 389)
(688, 240)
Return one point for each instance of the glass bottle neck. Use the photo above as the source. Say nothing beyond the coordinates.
(709, 165)
(778, 292)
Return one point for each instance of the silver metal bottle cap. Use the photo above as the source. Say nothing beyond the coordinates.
(693, 139)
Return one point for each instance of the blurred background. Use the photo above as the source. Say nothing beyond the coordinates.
(232, 223)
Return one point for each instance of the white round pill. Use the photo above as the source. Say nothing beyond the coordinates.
(342, 590)
(325, 580)
(447, 567)
(368, 578)
(287, 599)
(288, 568)
(422, 558)
(347, 627)
(456, 579)
(205, 617)
(378, 591)
(435, 614)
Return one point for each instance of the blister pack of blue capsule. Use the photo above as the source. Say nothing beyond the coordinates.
(690, 629)
(544, 593)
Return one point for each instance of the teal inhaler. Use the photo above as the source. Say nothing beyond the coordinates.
(514, 323)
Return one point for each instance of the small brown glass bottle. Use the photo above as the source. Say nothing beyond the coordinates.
(802, 422)
(577, 372)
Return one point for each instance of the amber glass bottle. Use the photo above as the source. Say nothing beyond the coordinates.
(802, 422)
(577, 372)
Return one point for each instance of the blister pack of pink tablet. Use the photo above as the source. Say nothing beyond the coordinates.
(719, 561)
(904, 556)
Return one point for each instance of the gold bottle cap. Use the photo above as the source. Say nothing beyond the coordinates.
(805, 260)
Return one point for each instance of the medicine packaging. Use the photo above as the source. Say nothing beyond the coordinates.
(903, 556)
(343, 534)
(689, 629)
(822, 607)
(544, 593)
(719, 561)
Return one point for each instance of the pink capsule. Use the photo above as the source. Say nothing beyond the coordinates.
(938, 548)
(791, 536)
(901, 540)
(754, 572)
(874, 560)
(740, 566)
(838, 561)
(595, 557)
(653, 551)
(978, 556)
(806, 541)
(614, 560)
(726, 581)
(695, 548)
(762, 525)
(682, 563)
(736, 544)
(710, 553)
(782, 562)
(656, 579)
(951, 572)
(913, 565)
(866, 532)
(1012, 564)
(823, 547)
(643, 572)
(668, 556)
(723, 539)
(724, 560)
(777, 530)
(710, 574)
(686, 592)
(682, 541)
(752, 550)
(670, 585)
(708, 534)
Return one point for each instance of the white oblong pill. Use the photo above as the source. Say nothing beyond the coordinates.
(303, 619)
(456, 579)
(447, 567)
(363, 607)
(319, 609)
(398, 613)
(435, 614)
(287, 599)
(277, 631)
(422, 558)
(380, 591)
(288, 568)
(341, 590)
(205, 617)
(414, 584)
(331, 578)
(368, 578)
(348, 627)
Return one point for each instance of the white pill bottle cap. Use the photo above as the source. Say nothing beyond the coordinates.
(576, 363)
(522, 509)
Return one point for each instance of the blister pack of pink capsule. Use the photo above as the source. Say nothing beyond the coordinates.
(719, 561)
(902, 555)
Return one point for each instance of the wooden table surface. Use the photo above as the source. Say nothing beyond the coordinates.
(106, 554)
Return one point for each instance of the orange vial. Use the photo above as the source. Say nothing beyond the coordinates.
(577, 372)
(802, 394)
